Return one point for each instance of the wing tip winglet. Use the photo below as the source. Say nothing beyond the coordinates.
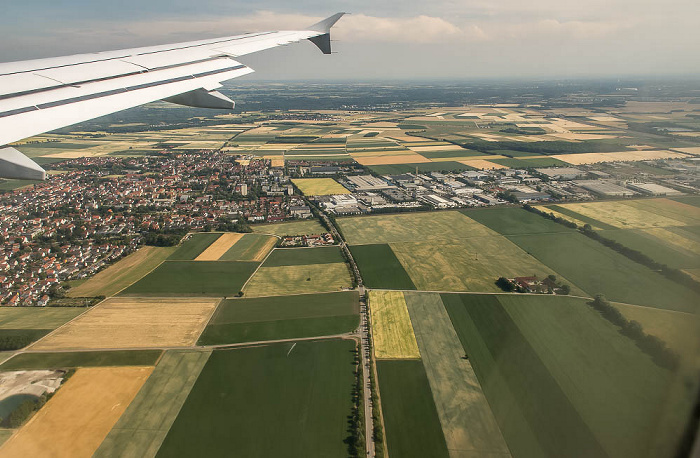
(323, 41)
(325, 25)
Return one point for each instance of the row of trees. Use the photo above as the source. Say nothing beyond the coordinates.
(651, 345)
(671, 273)
(356, 434)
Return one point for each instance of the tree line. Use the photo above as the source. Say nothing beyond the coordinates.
(671, 273)
(651, 345)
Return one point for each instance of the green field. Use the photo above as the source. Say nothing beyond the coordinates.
(597, 270)
(468, 424)
(562, 381)
(282, 317)
(689, 200)
(302, 256)
(32, 361)
(248, 248)
(656, 249)
(37, 317)
(307, 227)
(14, 339)
(310, 278)
(600, 270)
(142, 428)
(472, 264)
(194, 245)
(288, 400)
(193, 278)
(410, 418)
(514, 221)
(380, 268)
(123, 273)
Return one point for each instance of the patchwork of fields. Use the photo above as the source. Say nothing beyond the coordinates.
(462, 369)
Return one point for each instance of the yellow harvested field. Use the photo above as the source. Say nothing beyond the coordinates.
(78, 418)
(288, 280)
(392, 329)
(676, 240)
(134, 323)
(408, 138)
(319, 186)
(219, 247)
(694, 150)
(393, 151)
(482, 164)
(446, 147)
(393, 159)
(122, 274)
(628, 214)
(408, 227)
(264, 249)
(621, 156)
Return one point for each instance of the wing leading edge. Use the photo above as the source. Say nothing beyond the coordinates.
(41, 95)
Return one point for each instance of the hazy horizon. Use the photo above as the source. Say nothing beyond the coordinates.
(447, 40)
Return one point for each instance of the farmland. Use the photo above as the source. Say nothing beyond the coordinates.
(309, 227)
(600, 270)
(220, 246)
(319, 186)
(571, 383)
(193, 278)
(410, 227)
(77, 419)
(393, 334)
(380, 267)
(282, 317)
(145, 423)
(122, 274)
(62, 360)
(193, 246)
(411, 421)
(471, 264)
(300, 391)
(252, 247)
(309, 278)
(36, 318)
(468, 424)
(302, 256)
(134, 323)
(639, 214)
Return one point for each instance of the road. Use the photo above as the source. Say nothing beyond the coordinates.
(365, 334)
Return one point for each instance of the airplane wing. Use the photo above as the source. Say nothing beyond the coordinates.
(41, 95)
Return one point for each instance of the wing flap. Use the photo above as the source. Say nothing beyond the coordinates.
(66, 111)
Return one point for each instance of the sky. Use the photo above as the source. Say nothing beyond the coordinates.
(385, 40)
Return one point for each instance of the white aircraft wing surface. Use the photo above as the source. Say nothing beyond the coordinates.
(38, 96)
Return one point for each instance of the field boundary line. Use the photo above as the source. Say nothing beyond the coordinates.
(261, 263)
(211, 315)
(87, 309)
(144, 275)
(298, 294)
